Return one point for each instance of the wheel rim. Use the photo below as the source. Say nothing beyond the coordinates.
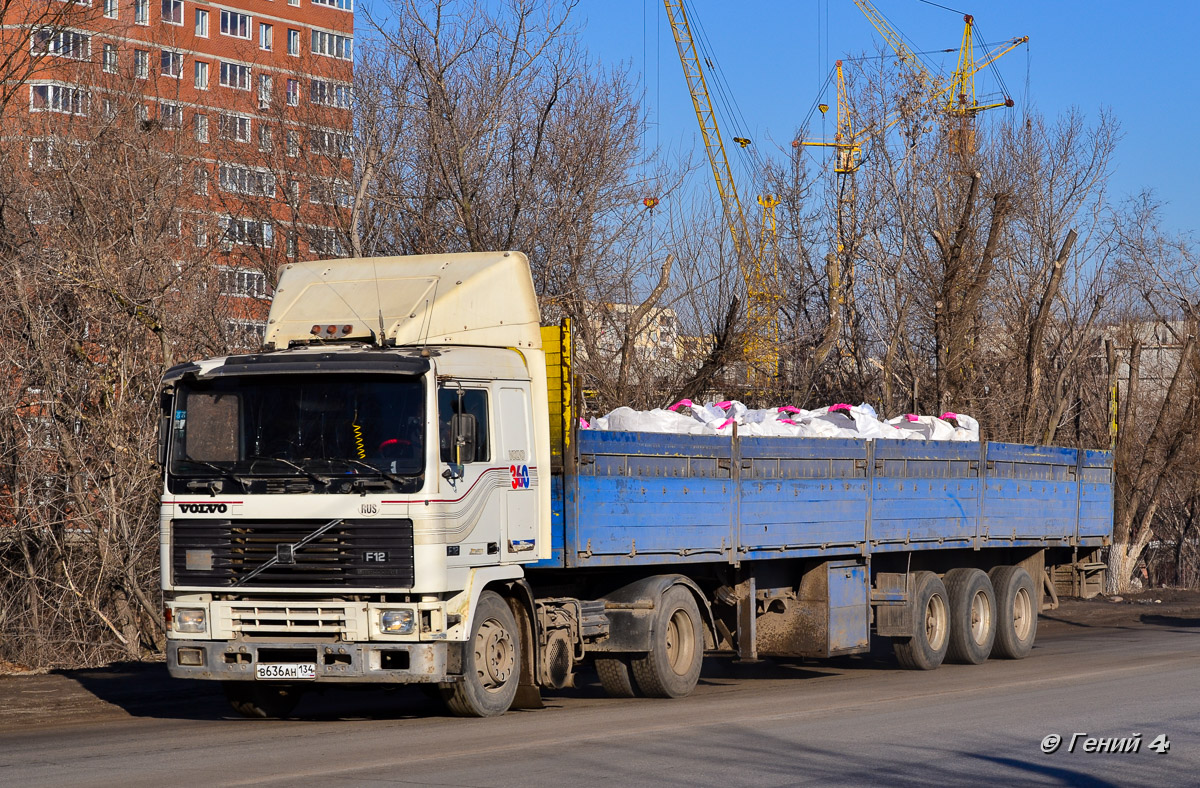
(495, 657)
(680, 642)
(1022, 614)
(937, 621)
(981, 618)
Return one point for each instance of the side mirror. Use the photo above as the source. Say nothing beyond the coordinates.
(462, 437)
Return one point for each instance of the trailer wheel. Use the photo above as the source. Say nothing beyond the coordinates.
(926, 649)
(1017, 601)
(261, 701)
(616, 677)
(972, 615)
(491, 662)
(672, 666)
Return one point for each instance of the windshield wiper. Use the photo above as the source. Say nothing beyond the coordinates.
(228, 474)
(305, 471)
(377, 471)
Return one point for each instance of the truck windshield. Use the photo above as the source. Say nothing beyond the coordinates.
(324, 428)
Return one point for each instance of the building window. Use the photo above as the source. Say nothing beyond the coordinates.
(293, 144)
(326, 241)
(235, 76)
(233, 127)
(141, 63)
(293, 2)
(235, 24)
(201, 23)
(245, 180)
(330, 94)
(246, 333)
(266, 86)
(110, 8)
(332, 45)
(172, 12)
(68, 99)
(329, 143)
(108, 109)
(247, 232)
(200, 180)
(264, 36)
(323, 191)
(200, 229)
(293, 191)
(170, 116)
(41, 155)
(141, 112)
(200, 75)
(141, 12)
(345, 5)
(265, 138)
(110, 58)
(293, 92)
(201, 128)
(294, 43)
(62, 43)
(242, 282)
(172, 64)
(293, 245)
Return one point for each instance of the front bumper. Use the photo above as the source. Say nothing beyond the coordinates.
(382, 663)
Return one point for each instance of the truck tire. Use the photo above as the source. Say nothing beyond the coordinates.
(261, 701)
(616, 676)
(926, 649)
(672, 666)
(972, 616)
(1017, 603)
(491, 662)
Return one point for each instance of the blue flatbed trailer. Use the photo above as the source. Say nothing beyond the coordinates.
(803, 546)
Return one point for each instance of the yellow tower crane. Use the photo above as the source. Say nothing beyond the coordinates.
(758, 268)
(959, 103)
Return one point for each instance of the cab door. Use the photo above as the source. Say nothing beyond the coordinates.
(516, 443)
(478, 497)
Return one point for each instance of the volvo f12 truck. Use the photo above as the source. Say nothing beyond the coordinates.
(396, 490)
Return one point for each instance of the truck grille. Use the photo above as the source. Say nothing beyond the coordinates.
(352, 554)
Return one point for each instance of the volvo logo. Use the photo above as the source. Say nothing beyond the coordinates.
(203, 508)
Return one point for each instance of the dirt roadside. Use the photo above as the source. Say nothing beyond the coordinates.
(64, 697)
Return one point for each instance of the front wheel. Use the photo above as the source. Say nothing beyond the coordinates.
(672, 666)
(262, 701)
(491, 662)
(926, 649)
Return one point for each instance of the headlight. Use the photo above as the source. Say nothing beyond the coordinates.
(396, 622)
(189, 619)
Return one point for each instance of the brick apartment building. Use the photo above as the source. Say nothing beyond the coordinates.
(250, 97)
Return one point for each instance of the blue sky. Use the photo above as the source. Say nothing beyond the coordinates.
(1135, 58)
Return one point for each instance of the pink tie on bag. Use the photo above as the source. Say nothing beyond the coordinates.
(912, 417)
(680, 404)
(583, 423)
(788, 409)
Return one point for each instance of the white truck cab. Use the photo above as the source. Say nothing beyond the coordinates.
(333, 507)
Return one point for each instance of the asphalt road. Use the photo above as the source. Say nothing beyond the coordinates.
(853, 721)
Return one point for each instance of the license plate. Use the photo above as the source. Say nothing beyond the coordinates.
(293, 671)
